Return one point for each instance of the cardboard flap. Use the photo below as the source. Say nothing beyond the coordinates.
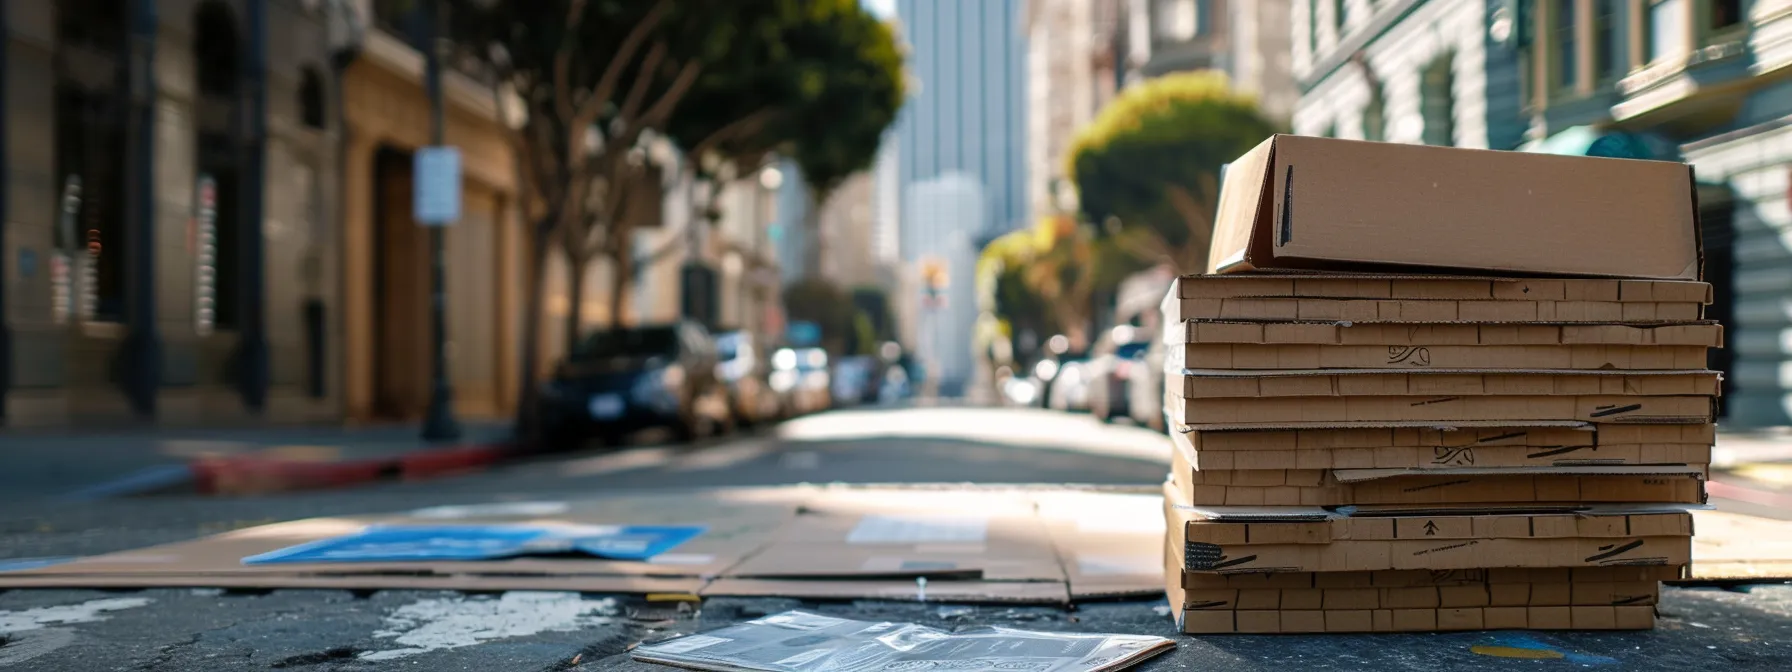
(1361, 475)
(1452, 426)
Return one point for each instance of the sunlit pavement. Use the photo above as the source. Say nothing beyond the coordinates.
(331, 630)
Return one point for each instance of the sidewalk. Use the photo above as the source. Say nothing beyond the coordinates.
(1753, 447)
(87, 465)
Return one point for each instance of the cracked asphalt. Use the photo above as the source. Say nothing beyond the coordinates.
(1739, 628)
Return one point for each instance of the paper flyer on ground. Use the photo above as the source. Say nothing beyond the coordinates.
(796, 641)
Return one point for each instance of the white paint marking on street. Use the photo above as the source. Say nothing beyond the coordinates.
(455, 622)
(85, 612)
(25, 646)
(496, 510)
(723, 457)
(802, 460)
(627, 460)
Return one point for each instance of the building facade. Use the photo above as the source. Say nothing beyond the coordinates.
(1700, 81)
(1415, 71)
(961, 137)
(141, 140)
(1261, 62)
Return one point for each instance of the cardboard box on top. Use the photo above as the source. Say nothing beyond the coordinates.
(1298, 202)
(1707, 334)
(1435, 310)
(1599, 409)
(1423, 457)
(1219, 383)
(1454, 287)
(1402, 542)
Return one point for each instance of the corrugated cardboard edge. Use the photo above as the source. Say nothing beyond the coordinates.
(1289, 373)
(1363, 475)
(1413, 424)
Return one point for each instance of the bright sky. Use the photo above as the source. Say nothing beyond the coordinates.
(882, 8)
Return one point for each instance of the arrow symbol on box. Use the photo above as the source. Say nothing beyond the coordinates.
(1430, 528)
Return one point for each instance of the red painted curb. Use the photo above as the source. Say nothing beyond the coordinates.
(251, 475)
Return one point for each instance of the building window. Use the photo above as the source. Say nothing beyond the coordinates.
(1725, 14)
(1666, 31)
(1605, 40)
(1313, 29)
(1177, 20)
(1375, 121)
(1437, 101)
(216, 50)
(1338, 23)
(1564, 48)
(311, 99)
(90, 110)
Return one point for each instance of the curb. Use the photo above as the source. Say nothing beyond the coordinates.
(253, 475)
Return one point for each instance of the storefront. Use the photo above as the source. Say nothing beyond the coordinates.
(386, 260)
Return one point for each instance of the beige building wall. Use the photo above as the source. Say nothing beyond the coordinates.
(848, 257)
(1063, 51)
(67, 374)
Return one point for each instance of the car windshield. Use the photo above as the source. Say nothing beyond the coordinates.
(629, 343)
(1131, 350)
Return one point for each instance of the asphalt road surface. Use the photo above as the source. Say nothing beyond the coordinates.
(1739, 628)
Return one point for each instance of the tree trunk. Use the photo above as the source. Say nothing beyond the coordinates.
(622, 273)
(578, 266)
(528, 416)
(812, 243)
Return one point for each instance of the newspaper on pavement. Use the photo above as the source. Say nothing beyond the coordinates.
(797, 641)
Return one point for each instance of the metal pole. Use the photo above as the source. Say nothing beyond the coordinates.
(5, 179)
(252, 248)
(143, 341)
(439, 424)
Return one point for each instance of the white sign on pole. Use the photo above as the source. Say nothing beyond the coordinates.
(435, 190)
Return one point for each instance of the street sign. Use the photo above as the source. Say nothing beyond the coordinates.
(435, 190)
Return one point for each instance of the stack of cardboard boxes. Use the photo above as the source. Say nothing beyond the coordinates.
(1509, 437)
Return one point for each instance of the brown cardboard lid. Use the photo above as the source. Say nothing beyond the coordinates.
(1362, 475)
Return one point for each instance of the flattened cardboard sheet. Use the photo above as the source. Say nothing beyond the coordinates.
(1602, 409)
(1219, 383)
(1405, 311)
(1573, 434)
(1437, 457)
(1455, 357)
(1708, 334)
(1414, 286)
(1420, 578)
(1107, 543)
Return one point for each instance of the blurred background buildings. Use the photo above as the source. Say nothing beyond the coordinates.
(142, 137)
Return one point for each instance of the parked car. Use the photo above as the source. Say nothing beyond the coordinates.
(1146, 402)
(742, 367)
(1117, 356)
(619, 381)
(1069, 388)
(856, 380)
(800, 377)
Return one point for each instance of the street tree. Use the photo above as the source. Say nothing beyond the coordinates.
(1148, 164)
(593, 79)
(851, 81)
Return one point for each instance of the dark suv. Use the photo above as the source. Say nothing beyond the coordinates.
(620, 381)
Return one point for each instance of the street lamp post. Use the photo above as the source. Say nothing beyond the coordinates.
(439, 424)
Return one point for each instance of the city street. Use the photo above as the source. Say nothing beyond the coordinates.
(209, 629)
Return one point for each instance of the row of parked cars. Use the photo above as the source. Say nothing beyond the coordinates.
(681, 378)
(1120, 376)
